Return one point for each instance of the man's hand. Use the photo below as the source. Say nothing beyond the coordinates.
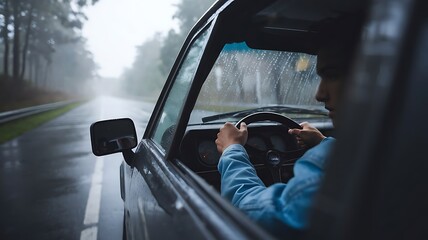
(308, 136)
(229, 135)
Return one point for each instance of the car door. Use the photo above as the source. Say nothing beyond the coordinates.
(153, 206)
(159, 202)
(376, 186)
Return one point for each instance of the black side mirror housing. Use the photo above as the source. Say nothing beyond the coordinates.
(112, 136)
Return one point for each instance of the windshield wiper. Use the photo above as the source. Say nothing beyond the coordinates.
(277, 109)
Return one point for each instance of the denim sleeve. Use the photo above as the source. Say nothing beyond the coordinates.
(279, 206)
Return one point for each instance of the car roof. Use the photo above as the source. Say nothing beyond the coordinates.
(287, 25)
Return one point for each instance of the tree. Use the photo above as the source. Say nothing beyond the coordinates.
(171, 47)
(156, 56)
(16, 12)
(145, 78)
(188, 12)
(71, 67)
(37, 27)
(29, 24)
(5, 9)
(49, 23)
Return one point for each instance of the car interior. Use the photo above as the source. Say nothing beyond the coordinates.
(288, 27)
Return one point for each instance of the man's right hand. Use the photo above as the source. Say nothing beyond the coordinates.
(307, 137)
(229, 135)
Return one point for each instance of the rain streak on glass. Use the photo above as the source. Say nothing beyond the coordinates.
(245, 78)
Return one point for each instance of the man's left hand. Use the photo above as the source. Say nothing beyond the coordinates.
(229, 135)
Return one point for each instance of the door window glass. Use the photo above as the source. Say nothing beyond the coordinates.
(167, 122)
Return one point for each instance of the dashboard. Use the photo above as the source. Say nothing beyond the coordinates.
(198, 151)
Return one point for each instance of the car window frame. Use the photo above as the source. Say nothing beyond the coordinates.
(222, 12)
(219, 11)
(207, 20)
(186, 64)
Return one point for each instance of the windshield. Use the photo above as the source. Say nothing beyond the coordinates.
(245, 79)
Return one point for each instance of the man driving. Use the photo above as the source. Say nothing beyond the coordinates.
(281, 208)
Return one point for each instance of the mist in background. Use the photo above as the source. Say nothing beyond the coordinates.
(45, 57)
(156, 55)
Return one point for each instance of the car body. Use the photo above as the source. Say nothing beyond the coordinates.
(244, 57)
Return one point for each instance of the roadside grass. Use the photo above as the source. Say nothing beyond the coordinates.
(13, 129)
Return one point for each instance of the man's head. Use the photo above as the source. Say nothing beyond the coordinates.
(337, 43)
(333, 73)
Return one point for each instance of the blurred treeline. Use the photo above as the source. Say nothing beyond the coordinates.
(41, 46)
(156, 56)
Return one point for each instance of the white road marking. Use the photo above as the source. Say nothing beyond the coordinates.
(89, 233)
(92, 211)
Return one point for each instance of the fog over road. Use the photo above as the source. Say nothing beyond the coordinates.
(53, 187)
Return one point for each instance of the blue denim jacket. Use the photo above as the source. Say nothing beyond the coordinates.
(279, 206)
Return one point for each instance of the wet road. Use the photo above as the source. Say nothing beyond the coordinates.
(53, 187)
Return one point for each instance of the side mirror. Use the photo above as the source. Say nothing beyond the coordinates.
(112, 136)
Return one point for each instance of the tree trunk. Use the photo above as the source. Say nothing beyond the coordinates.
(6, 40)
(46, 74)
(36, 70)
(27, 40)
(30, 74)
(16, 38)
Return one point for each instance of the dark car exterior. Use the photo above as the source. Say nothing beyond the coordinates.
(170, 184)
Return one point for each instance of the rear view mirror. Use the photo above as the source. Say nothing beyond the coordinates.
(112, 136)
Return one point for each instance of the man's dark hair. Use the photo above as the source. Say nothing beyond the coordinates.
(342, 34)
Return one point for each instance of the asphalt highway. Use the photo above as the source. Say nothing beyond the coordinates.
(53, 187)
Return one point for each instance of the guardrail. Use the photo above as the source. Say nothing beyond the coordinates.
(24, 112)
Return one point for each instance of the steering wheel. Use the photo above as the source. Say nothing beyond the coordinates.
(273, 158)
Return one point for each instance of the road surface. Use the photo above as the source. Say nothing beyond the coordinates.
(53, 187)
